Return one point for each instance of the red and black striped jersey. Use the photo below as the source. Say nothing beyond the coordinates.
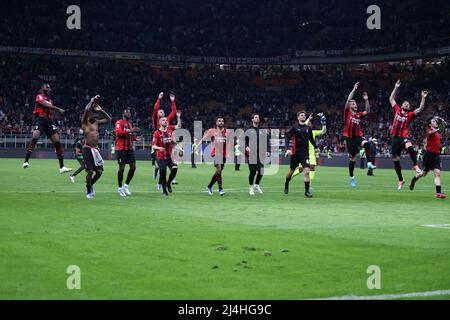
(39, 109)
(352, 123)
(164, 139)
(124, 138)
(400, 125)
(219, 140)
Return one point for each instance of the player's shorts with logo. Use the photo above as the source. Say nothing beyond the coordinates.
(45, 125)
(398, 144)
(125, 157)
(166, 163)
(354, 145)
(92, 159)
(220, 160)
(297, 159)
(256, 167)
(431, 161)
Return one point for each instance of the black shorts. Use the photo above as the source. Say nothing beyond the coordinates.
(89, 162)
(165, 163)
(125, 157)
(222, 161)
(354, 145)
(398, 144)
(431, 161)
(297, 159)
(257, 167)
(45, 125)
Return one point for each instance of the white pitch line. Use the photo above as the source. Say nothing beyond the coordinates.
(392, 296)
(439, 226)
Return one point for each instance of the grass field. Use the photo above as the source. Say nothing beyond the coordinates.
(193, 246)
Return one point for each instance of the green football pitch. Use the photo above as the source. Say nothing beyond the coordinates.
(194, 246)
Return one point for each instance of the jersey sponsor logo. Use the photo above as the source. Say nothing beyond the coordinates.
(221, 139)
(400, 118)
(166, 139)
(355, 120)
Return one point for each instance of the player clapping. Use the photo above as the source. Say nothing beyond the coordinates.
(301, 135)
(163, 140)
(219, 136)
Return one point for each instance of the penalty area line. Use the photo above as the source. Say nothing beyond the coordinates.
(438, 226)
(392, 296)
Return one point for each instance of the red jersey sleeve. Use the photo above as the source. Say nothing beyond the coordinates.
(397, 108)
(119, 127)
(173, 112)
(155, 114)
(361, 114)
(40, 98)
(156, 138)
(346, 111)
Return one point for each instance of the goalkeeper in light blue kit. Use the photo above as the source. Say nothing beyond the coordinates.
(312, 151)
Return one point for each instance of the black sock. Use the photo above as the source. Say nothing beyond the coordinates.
(130, 176)
(78, 171)
(172, 175)
(413, 155)
(61, 162)
(307, 183)
(398, 169)
(30, 148)
(213, 181)
(219, 180)
(438, 189)
(351, 167)
(366, 147)
(120, 178)
(258, 178)
(96, 177)
(59, 153)
(251, 178)
(286, 183)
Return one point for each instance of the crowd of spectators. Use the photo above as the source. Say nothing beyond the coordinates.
(204, 92)
(227, 28)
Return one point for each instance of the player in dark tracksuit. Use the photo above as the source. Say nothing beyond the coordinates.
(78, 151)
(253, 154)
(301, 135)
(373, 151)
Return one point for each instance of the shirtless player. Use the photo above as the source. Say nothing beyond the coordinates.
(93, 116)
